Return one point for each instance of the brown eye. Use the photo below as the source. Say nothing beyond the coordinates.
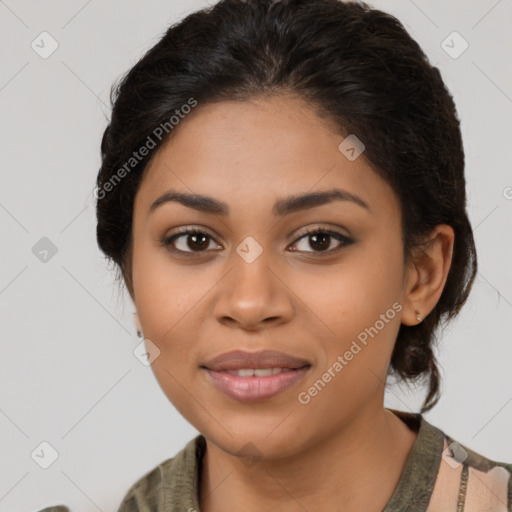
(195, 241)
(188, 241)
(320, 240)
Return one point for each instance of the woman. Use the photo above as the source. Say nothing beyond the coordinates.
(282, 190)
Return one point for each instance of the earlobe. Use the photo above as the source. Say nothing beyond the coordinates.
(412, 316)
(137, 325)
(428, 272)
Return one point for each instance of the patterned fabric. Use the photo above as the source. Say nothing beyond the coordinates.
(440, 475)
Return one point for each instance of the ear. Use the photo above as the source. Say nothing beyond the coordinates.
(426, 274)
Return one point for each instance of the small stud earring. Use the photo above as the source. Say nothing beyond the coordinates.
(137, 325)
(418, 317)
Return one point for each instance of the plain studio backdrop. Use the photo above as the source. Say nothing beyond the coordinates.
(68, 377)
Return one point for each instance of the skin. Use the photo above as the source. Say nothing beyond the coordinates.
(343, 446)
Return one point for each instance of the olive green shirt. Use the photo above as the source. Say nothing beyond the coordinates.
(440, 475)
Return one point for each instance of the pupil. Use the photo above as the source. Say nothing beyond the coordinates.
(324, 237)
(321, 240)
(201, 245)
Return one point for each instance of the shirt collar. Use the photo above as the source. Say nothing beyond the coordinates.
(413, 491)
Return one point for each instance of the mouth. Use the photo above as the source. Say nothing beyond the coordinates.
(259, 372)
(255, 376)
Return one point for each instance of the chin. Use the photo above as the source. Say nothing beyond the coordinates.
(254, 441)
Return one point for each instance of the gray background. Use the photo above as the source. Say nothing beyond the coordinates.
(67, 372)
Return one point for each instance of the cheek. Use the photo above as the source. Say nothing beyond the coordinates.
(168, 296)
(353, 294)
(355, 353)
(357, 308)
(165, 292)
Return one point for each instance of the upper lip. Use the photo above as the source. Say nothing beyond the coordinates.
(238, 359)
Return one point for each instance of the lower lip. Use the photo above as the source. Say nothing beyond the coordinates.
(254, 389)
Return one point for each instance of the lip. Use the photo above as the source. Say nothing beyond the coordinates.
(239, 359)
(254, 389)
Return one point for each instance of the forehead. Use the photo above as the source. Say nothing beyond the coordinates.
(263, 148)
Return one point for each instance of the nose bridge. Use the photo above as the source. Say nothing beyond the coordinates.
(251, 279)
(251, 293)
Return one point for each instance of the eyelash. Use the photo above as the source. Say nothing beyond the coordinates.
(168, 241)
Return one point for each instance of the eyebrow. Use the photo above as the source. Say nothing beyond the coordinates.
(281, 207)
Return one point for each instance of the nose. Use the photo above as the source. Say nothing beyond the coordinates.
(254, 294)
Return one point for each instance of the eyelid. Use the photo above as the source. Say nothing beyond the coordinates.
(168, 240)
(333, 230)
(343, 239)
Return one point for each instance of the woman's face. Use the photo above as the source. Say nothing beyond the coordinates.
(254, 279)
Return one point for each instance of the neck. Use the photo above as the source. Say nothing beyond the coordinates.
(359, 465)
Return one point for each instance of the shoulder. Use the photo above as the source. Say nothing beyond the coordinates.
(455, 454)
(472, 479)
(463, 454)
(168, 486)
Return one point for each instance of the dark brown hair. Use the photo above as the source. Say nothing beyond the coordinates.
(360, 69)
